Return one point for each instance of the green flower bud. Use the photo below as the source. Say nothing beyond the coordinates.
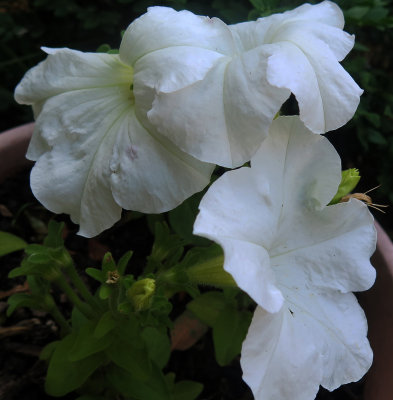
(141, 293)
(349, 179)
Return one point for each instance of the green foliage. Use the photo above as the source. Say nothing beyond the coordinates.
(10, 243)
(110, 348)
(182, 220)
(63, 375)
(229, 322)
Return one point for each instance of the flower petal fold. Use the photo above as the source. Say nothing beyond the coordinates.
(279, 205)
(220, 86)
(94, 155)
(299, 259)
(315, 339)
(163, 27)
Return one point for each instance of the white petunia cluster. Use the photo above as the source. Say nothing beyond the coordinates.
(143, 130)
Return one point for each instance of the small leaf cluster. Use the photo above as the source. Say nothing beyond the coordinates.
(115, 344)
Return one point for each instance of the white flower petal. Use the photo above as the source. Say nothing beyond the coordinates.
(316, 338)
(326, 12)
(73, 176)
(149, 174)
(305, 167)
(66, 70)
(94, 155)
(279, 204)
(214, 130)
(221, 86)
(334, 246)
(192, 131)
(171, 69)
(163, 27)
(228, 213)
(327, 95)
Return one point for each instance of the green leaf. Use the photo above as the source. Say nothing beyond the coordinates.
(104, 292)
(208, 306)
(104, 48)
(40, 258)
(78, 320)
(18, 300)
(123, 262)
(37, 285)
(54, 238)
(155, 388)
(229, 332)
(64, 376)
(48, 350)
(86, 343)
(96, 274)
(166, 247)
(105, 325)
(133, 360)
(10, 243)
(157, 344)
(182, 220)
(376, 137)
(357, 12)
(187, 390)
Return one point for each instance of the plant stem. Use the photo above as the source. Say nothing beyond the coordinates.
(78, 303)
(82, 288)
(113, 300)
(59, 318)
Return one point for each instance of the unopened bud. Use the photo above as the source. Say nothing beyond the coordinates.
(141, 293)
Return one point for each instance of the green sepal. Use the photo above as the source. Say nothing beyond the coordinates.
(349, 179)
(108, 263)
(123, 262)
(96, 274)
(204, 266)
(10, 243)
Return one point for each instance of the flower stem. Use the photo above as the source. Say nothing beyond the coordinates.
(59, 318)
(78, 303)
(82, 288)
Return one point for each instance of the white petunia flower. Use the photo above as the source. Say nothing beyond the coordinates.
(95, 151)
(220, 86)
(298, 259)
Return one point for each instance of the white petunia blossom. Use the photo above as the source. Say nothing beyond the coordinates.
(298, 259)
(220, 86)
(95, 151)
